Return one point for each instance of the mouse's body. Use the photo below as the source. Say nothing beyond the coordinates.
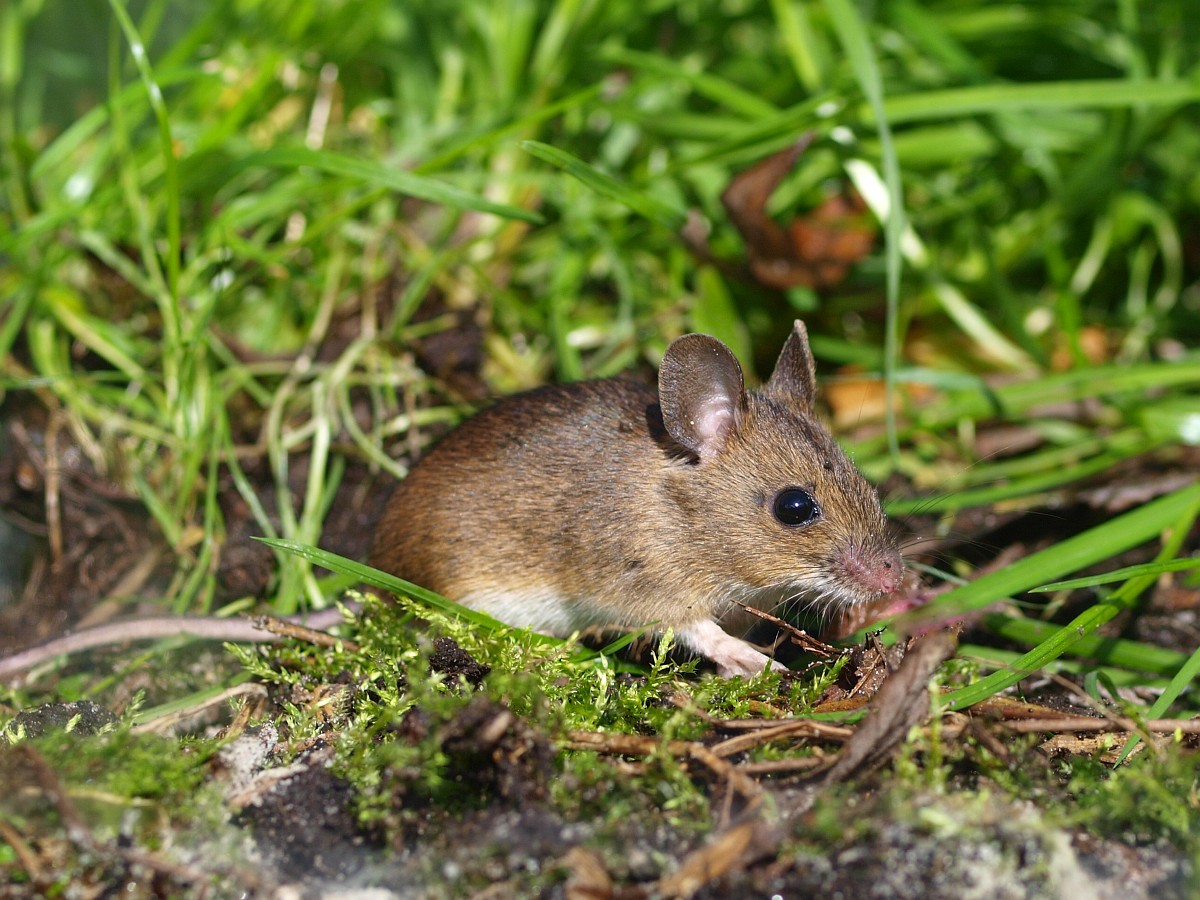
(604, 503)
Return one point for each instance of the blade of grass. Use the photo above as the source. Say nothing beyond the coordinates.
(878, 196)
(368, 172)
(141, 61)
(376, 578)
(770, 133)
(13, 20)
(489, 135)
(1120, 652)
(721, 91)
(1028, 486)
(995, 658)
(1010, 401)
(1085, 549)
(1183, 680)
(1175, 513)
(76, 136)
(855, 41)
(192, 701)
(15, 317)
(104, 338)
(662, 214)
(1099, 93)
(808, 54)
(1174, 565)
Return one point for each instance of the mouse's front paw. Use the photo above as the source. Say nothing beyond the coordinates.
(746, 663)
(733, 656)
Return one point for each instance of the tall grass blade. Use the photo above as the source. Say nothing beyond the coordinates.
(402, 182)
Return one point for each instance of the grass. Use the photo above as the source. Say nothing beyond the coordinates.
(222, 229)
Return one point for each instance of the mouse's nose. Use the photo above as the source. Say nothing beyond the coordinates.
(875, 569)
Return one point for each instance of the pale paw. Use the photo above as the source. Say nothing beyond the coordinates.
(746, 664)
(733, 656)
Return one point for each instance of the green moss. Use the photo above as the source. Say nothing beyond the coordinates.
(140, 786)
(1155, 796)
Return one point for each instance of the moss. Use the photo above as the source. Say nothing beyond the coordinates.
(1155, 796)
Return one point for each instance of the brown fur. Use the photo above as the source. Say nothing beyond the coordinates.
(605, 508)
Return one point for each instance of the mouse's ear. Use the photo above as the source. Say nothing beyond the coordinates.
(795, 377)
(701, 392)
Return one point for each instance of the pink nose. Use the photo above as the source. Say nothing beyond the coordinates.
(877, 570)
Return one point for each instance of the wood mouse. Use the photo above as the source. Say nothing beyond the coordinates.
(606, 503)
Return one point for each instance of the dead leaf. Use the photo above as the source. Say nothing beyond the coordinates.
(731, 851)
(816, 250)
(589, 879)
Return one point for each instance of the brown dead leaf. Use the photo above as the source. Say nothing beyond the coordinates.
(589, 879)
(853, 400)
(745, 199)
(730, 851)
(1093, 344)
(816, 250)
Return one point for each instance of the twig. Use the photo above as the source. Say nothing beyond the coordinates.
(731, 851)
(290, 628)
(166, 722)
(150, 628)
(637, 745)
(784, 766)
(23, 851)
(1061, 724)
(798, 636)
(790, 729)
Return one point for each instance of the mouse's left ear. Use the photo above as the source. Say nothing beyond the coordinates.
(701, 392)
(795, 376)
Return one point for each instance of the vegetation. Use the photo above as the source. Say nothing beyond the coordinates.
(255, 255)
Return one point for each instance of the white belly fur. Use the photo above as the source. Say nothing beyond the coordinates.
(543, 610)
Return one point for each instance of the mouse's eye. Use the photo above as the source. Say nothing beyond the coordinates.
(796, 506)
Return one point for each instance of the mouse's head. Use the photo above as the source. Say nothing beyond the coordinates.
(771, 501)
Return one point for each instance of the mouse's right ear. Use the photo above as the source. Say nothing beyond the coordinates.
(795, 376)
(701, 392)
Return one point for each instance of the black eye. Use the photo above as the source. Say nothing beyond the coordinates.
(796, 506)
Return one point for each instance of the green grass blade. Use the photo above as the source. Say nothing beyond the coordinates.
(766, 135)
(808, 53)
(1174, 565)
(855, 41)
(1046, 96)
(1088, 548)
(379, 579)
(1184, 679)
(170, 164)
(1029, 485)
(994, 658)
(1077, 385)
(729, 95)
(1175, 512)
(76, 137)
(372, 173)
(1120, 652)
(487, 135)
(662, 214)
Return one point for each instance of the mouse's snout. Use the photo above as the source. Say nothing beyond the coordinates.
(873, 569)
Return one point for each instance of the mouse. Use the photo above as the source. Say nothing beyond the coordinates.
(609, 503)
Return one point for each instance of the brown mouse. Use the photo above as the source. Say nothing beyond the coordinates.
(604, 503)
